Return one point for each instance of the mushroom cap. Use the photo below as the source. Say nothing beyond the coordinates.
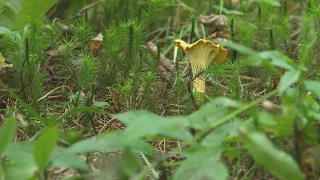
(202, 54)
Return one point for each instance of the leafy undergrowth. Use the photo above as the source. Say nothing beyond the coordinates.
(106, 94)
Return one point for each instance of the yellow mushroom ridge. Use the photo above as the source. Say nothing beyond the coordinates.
(201, 54)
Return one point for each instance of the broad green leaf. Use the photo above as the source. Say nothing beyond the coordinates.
(44, 147)
(142, 123)
(7, 133)
(62, 158)
(313, 106)
(202, 164)
(218, 135)
(7, 18)
(18, 170)
(211, 112)
(313, 86)
(277, 162)
(288, 79)
(274, 58)
(21, 162)
(34, 8)
(9, 9)
(271, 2)
(114, 141)
(277, 59)
(21, 151)
(238, 47)
(2, 175)
(280, 125)
(130, 164)
(100, 103)
(4, 30)
(14, 5)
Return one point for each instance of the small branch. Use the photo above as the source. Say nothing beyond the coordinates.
(83, 10)
(166, 67)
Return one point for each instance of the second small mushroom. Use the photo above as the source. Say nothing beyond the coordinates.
(201, 55)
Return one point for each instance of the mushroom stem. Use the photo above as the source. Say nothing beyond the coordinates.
(199, 84)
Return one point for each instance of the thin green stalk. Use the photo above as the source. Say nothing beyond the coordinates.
(190, 72)
(221, 6)
(234, 57)
(153, 171)
(88, 114)
(158, 55)
(285, 7)
(271, 40)
(192, 34)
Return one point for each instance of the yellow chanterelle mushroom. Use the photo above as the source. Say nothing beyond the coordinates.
(2, 61)
(201, 55)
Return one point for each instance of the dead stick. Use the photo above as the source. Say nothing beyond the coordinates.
(82, 11)
(164, 62)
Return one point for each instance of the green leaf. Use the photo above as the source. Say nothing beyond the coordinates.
(202, 164)
(238, 47)
(21, 162)
(62, 158)
(277, 162)
(218, 135)
(113, 141)
(4, 30)
(21, 151)
(34, 8)
(211, 112)
(17, 170)
(130, 164)
(14, 5)
(45, 146)
(142, 123)
(2, 175)
(313, 86)
(274, 58)
(100, 103)
(7, 133)
(288, 79)
(278, 59)
(271, 2)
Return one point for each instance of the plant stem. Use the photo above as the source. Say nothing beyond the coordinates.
(153, 171)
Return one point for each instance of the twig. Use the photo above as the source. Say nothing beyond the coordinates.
(164, 62)
(106, 125)
(82, 11)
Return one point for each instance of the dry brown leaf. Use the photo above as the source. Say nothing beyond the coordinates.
(96, 43)
(216, 22)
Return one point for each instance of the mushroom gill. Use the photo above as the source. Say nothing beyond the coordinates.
(201, 55)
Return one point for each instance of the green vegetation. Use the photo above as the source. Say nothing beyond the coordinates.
(97, 89)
